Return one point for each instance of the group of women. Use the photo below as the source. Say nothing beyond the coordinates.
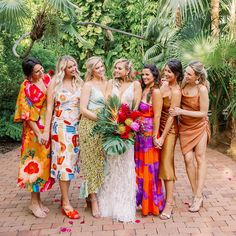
(58, 117)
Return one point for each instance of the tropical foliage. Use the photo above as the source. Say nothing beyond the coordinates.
(155, 31)
(188, 31)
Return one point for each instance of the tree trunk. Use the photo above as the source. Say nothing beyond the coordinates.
(215, 5)
(232, 19)
(215, 126)
(232, 149)
(178, 18)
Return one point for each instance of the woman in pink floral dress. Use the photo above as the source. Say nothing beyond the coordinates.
(34, 161)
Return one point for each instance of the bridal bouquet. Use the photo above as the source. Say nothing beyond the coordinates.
(117, 124)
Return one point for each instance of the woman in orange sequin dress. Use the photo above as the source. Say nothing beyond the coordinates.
(34, 162)
(147, 157)
(194, 128)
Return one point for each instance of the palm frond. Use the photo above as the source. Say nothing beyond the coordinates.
(152, 52)
(116, 146)
(198, 48)
(13, 12)
(186, 7)
(64, 6)
(69, 28)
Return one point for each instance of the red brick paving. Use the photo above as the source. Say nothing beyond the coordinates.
(216, 218)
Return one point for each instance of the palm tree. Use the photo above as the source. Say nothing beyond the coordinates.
(196, 38)
(215, 4)
(14, 13)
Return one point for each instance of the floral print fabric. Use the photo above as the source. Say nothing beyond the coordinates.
(65, 136)
(149, 193)
(34, 161)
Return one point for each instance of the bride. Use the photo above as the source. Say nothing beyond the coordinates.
(117, 196)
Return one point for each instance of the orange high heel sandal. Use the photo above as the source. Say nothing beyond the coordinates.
(74, 215)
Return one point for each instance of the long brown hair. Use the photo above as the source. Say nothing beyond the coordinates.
(156, 74)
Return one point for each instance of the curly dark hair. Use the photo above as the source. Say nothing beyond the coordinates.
(28, 65)
(156, 74)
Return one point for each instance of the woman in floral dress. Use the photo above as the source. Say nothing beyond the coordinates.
(34, 163)
(63, 103)
(147, 157)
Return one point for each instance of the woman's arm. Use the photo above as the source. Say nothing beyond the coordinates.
(175, 102)
(204, 106)
(84, 100)
(108, 88)
(36, 130)
(49, 112)
(137, 94)
(157, 103)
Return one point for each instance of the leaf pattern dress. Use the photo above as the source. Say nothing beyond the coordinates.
(65, 135)
(92, 155)
(34, 161)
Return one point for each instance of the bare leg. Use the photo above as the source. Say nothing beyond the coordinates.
(169, 187)
(191, 170)
(94, 205)
(44, 208)
(35, 206)
(64, 186)
(200, 152)
(67, 209)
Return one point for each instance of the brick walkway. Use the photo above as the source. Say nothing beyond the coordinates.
(218, 217)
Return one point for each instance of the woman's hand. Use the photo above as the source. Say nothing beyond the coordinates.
(45, 138)
(175, 111)
(160, 141)
(39, 137)
(155, 142)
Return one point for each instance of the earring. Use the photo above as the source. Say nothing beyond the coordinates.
(196, 82)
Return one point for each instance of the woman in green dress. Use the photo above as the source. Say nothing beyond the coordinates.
(92, 156)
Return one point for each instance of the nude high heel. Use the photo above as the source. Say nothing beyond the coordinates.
(197, 204)
(166, 214)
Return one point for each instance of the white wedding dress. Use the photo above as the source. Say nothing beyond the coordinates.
(117, 196)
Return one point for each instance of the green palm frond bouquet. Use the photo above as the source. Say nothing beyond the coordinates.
(117, 124)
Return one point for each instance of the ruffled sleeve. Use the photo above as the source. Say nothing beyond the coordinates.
(26, 108)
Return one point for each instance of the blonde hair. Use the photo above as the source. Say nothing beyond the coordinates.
(90, 65)
(77, 82)
(199, 71)
(128, 66)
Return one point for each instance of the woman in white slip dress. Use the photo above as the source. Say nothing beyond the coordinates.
(117, 196)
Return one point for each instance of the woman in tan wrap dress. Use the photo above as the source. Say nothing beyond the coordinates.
(194, 128)
(171, 95)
